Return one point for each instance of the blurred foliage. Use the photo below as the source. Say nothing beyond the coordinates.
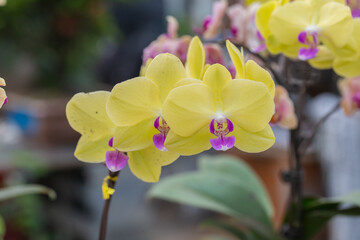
(2, 228)
(318, 211)
(25, 219)
(12, 192)
(228, 186)
(62, 38)
(29, 163)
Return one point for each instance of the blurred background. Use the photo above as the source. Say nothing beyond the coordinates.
(50, 50)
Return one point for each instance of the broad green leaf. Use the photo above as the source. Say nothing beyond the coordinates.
(218, 192)
(235, 168)
(21, 190)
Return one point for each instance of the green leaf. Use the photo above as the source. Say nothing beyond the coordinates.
(352, 198)
(232, 228)
(21, 190)
(217, 191)
(241, 173)
(318, 211)
(215, 237)
(226, 227)
(2, 228)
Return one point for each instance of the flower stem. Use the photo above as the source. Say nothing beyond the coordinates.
(105, 213)
(307, 142)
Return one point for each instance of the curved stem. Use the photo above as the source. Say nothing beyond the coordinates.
(307, 142)
(105, 213)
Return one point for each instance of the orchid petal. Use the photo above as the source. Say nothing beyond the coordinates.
(223, 144)
(216, 77)
(133, 101)
(165, 70)
(248, 104)
(3, 97)
(195, 58)
(262, 17)
(306, 54)
(128, 138)
(256, 73)
(336, 23)
(253, 142)
(237, 58)
(324, 58)
(116, 160)
(189, 108)
(291, 22)
(92, 151)
(87, 115)
(187, 81)
(146, 164)
(191, 145)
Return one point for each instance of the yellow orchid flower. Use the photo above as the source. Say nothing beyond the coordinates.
(249, 70)
(87, 115)
(135, 106)
(311, 23)
(219, 112)
(3, 97)
(262, 18)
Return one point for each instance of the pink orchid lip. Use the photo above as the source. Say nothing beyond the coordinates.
(159, 139)
(116, 160)
(221, 128)
(356, 99)
(312, 50)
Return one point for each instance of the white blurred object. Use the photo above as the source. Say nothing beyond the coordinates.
(3, 2)
(338, 143)
(10, 133)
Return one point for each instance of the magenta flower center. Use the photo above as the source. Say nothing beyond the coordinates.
(221, 128)
(311, 39)
(159, 139)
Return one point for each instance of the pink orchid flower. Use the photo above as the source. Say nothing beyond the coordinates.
(350, 91)
(243, 27)
(168, 43)
(213, 23)
(284, 114)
